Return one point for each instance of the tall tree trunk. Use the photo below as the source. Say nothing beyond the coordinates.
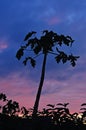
(40, 87)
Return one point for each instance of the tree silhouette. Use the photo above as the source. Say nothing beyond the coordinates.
(48, 43)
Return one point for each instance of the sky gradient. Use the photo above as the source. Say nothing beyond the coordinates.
(63, 83)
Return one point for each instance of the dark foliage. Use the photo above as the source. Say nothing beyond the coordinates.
(46, 44)
(53, 117)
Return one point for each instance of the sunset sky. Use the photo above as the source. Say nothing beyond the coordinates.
(63, 83)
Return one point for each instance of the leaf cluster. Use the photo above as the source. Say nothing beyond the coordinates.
(10, 107)
(44, 45)
(64, 58)
(59, 114)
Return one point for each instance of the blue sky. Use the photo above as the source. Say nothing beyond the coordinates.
(63, 83)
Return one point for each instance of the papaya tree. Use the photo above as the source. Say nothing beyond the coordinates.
(48, 43)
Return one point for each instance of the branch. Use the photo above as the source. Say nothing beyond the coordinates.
(52, 53)
(37, 55)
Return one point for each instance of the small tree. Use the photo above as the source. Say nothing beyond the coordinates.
(48, 43)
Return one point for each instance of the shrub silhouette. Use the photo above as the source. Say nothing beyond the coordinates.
(52, 117)
(10, 107)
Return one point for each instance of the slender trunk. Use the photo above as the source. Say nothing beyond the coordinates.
(39, 88)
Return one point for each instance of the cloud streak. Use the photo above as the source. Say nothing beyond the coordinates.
(3, 45)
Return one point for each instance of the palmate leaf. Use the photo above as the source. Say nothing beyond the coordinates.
(32, 61)
(58, 58)
(3, 97)
(61, 39)
(60, 104)
(19, 53)
(67, 40)
(64, 58)
(29, 35)
(37, 49)
(45, 31)
(50, 105)
(24, 111)
(84, 104)
(66, 110)
(59, 108)
(58, 39)
(73, 59)
(83, 109)
(71, 40)
(25, 61)
(65, 104)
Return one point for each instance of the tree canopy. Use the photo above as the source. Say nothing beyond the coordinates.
(49, 42)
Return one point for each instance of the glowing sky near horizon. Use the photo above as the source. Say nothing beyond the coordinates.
(63, 83)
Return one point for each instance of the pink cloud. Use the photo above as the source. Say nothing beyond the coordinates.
(18, 88)
(53, 21)
(23, 90)
(72, 91)
(3, 45)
